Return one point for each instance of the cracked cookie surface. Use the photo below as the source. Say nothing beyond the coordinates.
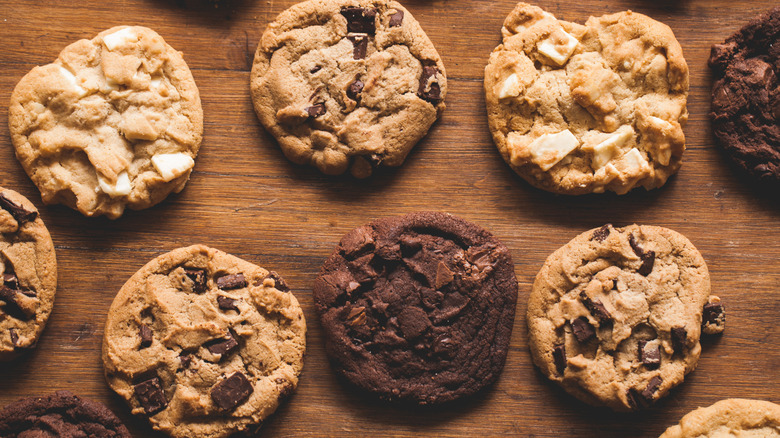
(203, 343)
(732, 417)
(577, 109)
(29, 269)
(418, 308)
(347, 84)
(615, 316)
(115, 121)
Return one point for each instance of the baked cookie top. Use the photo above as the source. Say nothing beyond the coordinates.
(615, 315)
(734, 417)
(347, 84)
(418, 308)
(203, 343)
(29, 270)
(61, 414)
(115, 121)
(578, 109)
(746, 97)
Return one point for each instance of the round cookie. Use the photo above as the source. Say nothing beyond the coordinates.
(29, 269)
(347, 84)
(61, 414)
(615, 315)
(746, 97)
(578, 109)
(418, 308)
(734, 417)
(115, 121)
(203, 343)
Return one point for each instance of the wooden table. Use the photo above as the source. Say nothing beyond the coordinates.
(245, 198)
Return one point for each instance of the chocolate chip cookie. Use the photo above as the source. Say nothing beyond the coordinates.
(61, 414)
(732, 417)
(29, 270)
(746, 97)
(347, 84)
(115, 121)
(203, 343)
(578, 109)
(418, 308)
(615, 315)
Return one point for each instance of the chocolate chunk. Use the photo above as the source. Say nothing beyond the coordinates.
(360, 20)
(315, 69)
(712, 313)
(582, 329)
(279, 283)
(413, 322)
(12, 306)
(444, 345)
(354, 90)
(559, 357)
(396, 19)
(227, 303)
(429, 89)
(150, 396)
(19, 213)
(644, 398)
(198, 277)
(14, 337)
(356, 316)
(316, 110)
(186, 360)
(359, 46)
(234, 281)
(679, 339)
(648, 260)
(286, 388)
(651, 389)
(602, 233)
(443, 276)
(635, 245)
(649, 356)
(222, 346)
(145, 333)
(231, 392)
(595, 307)
(11, 281)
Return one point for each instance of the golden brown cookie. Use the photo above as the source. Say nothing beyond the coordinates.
(728, 418)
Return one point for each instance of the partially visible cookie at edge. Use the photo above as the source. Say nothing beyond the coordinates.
(62, 414)
(203, 343)
(347, 85)
(577, 109)
(615, 316)
(29, 269)
(729, 418)
(113, 122)
(746, 97)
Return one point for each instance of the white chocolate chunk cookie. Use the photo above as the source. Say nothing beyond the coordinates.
(578, 109)
(347, 85)
(203, 343)
(114, 122)
(733, 417)
(615, 316)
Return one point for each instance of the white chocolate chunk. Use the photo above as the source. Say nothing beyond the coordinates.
(511, 87)
(172, 166)
(121, 188)
(155, 83)
(661, 123)
(73, 81)
(633, 162)
(549, 149)
(604, 151)
(558, 47)
(120, 38)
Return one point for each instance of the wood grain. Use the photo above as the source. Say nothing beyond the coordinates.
(245, 198)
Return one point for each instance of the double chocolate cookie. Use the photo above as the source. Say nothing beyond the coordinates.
(746, 97)
(203, 343)
(347, 84)
(61, 414)
(418, 308)
(29, 270)
(615, 316)
(732, 417)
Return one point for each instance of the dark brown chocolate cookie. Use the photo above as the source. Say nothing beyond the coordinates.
(418, 308)
(746, 97)
(61, 414)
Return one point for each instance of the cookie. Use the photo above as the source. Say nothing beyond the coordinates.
(115, 121)
(29, 269)
(615, 315)
(578, 109)
(61, 414)
(347, 84)
(418, 308)
(746, 97)
(203, 343)
(734, 417)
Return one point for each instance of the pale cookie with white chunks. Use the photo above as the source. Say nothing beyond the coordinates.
(114, 122)
(578, 109)
(615, 315)
(733, 417)
(29, 269)
(347, 84)
(204, 343)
